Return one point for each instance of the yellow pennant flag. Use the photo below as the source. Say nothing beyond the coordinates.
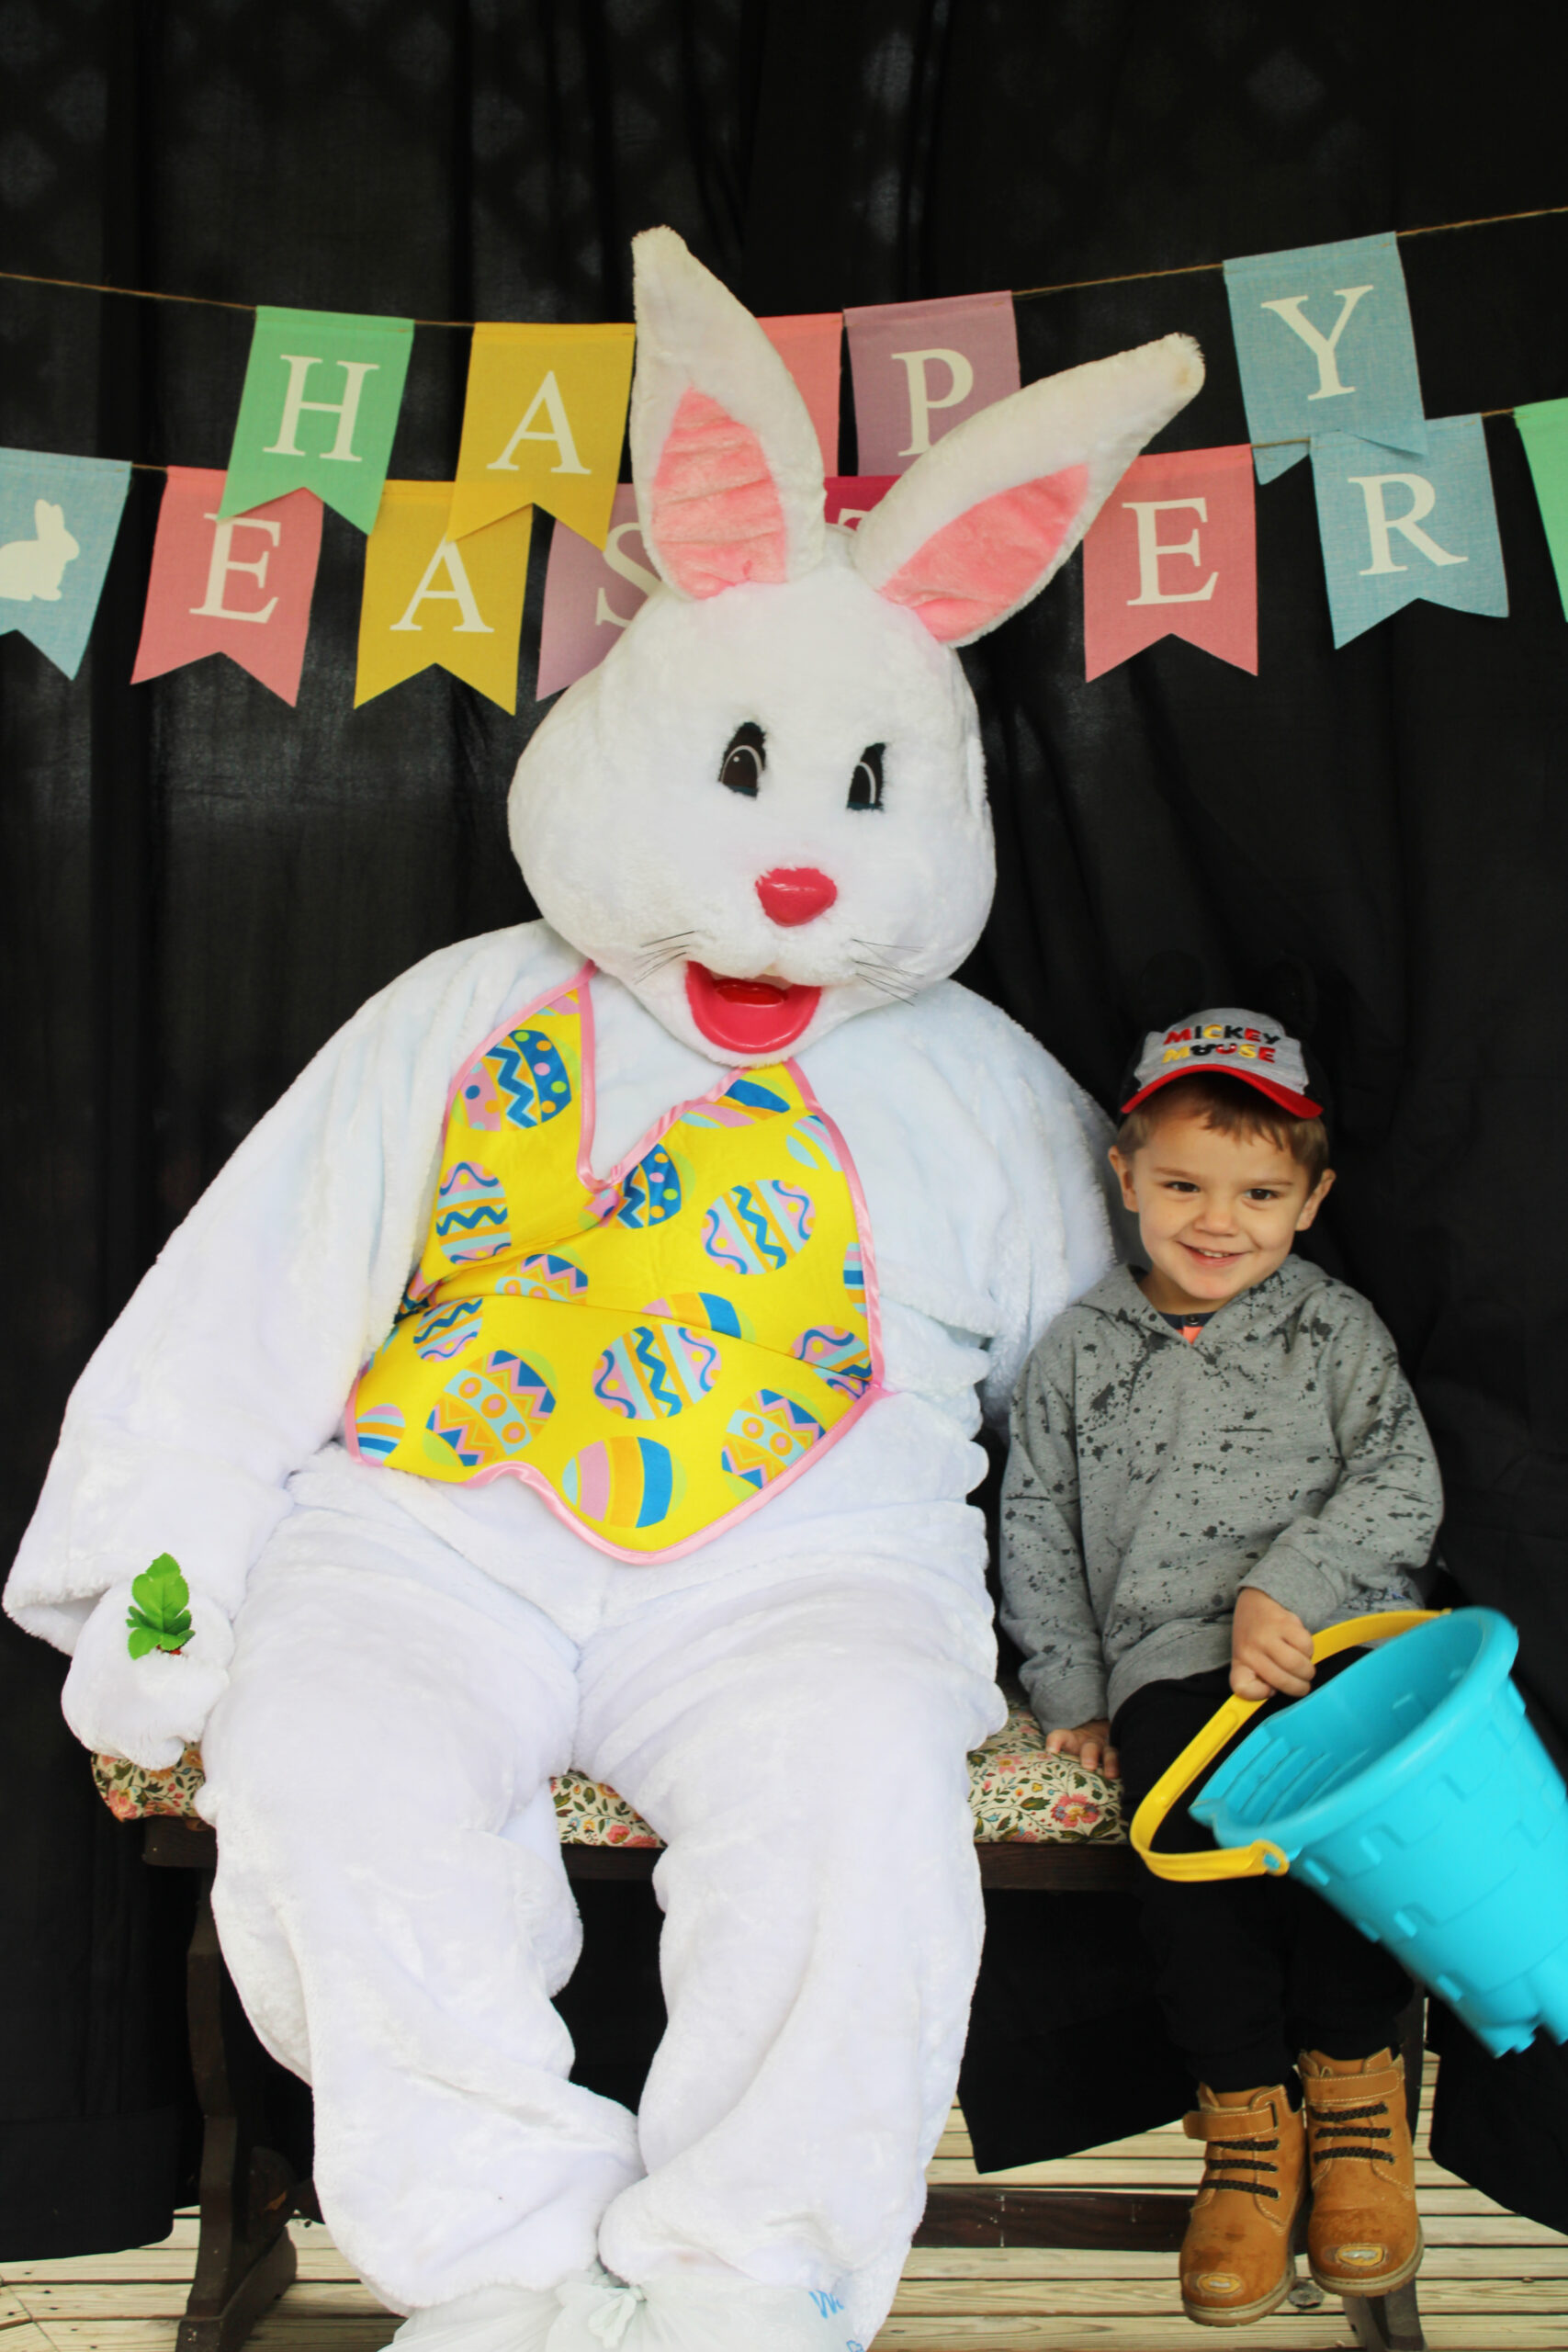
(428, 599)
(543, 425)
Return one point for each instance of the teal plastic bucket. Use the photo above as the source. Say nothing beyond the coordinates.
(1413, 1794)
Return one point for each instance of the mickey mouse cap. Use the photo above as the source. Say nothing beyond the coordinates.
(1231, 1043)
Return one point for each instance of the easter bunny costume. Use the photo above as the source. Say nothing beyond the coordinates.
(665, 1251)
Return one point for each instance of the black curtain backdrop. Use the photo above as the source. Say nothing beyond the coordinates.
(199, 884)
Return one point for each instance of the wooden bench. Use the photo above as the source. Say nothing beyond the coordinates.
(1042, 1823)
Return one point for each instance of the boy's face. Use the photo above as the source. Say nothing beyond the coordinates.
(1216, 1213)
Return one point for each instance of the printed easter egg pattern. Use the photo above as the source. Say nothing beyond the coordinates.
(546, 1276)
(741, 1104)
(645, 1194)
(811, 1141)
(756, 1228)
(705, 1309)
(379, 1428)
(655, 1371)
(448, 1329)
(471, 1213)
(854, 1278)
(532, 1081)
(624, 1481)
(767, 1436)
(488, 1412)
(841, 1357)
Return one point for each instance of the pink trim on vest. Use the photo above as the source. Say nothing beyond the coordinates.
(713, 511)
(973, 570)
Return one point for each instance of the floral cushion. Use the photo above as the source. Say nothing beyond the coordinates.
(1016, 1792)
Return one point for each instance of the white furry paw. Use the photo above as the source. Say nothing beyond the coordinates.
(150, 1709)
(491, 2319)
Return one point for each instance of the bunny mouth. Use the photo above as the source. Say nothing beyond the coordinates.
(748, 1016)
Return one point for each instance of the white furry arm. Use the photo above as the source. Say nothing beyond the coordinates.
(231, 1364)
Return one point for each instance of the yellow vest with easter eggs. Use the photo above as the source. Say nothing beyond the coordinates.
(656, 1351)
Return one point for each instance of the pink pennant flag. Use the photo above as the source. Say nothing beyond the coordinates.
(1173, 553)
(921, 367)
(241, 586)
(851, 497)
(590, 595)
(809, 346)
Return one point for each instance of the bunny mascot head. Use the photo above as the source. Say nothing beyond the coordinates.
(765, 810)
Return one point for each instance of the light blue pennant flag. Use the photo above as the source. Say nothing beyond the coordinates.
(1394, 529)
(58, 521)
(1324, 342)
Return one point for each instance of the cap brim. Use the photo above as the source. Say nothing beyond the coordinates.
(1300, 1106)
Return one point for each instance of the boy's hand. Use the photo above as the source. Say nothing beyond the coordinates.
(1270, 1648)
(1090, 1744)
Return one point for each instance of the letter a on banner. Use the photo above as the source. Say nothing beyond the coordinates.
(432, 599)
(1325, 344)
(236, 585)
(543, 427)
(58, 521)
(318, 411)
(1393, 529)
(920, 367)
(1173, 553)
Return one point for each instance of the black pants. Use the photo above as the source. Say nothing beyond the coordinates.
(1248, 1971)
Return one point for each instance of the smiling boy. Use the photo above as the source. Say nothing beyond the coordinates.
(1216, 1455)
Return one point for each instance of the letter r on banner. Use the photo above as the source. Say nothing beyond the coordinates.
(1380, 523)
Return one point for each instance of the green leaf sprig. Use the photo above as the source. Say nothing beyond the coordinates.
(160, 1615)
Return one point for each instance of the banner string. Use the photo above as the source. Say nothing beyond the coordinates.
(1020, 294)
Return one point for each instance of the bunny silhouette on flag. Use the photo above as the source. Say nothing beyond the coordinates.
(581, 1365)
(35, 567)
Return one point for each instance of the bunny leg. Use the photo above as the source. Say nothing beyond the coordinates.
(798, 1737)
(391, 1904)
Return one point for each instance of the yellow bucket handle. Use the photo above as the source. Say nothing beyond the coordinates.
(1262, 1857)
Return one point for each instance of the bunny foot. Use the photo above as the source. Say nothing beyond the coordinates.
(696, 2312)
(491, 2319)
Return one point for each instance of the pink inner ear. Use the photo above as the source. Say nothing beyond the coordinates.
(972, 570)
(716, 518)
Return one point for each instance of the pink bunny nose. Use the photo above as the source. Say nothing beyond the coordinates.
(793, 894)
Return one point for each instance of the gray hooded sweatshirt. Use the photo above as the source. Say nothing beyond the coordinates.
(1150, 1478)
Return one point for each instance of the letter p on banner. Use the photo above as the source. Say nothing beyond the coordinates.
(318, 411)
(921, 367)
(1173, 553)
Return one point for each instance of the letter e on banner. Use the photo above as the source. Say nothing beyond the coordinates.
(236, 585)
(1173, 553)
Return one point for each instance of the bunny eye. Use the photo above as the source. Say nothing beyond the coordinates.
(745, 757)
(865, 784)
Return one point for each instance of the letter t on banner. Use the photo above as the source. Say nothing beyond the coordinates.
(1173, 553)
(1324, 340)
(543, 425)
(921, 367)
(318, 411)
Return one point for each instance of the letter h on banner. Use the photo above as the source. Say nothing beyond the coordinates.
(1173, 553)
(318, 411)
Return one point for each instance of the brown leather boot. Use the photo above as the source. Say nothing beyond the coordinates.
(1236, 2263)
(1365, 2235)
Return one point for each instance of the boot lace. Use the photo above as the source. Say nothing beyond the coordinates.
(1224, 2157)
(1350, 2132)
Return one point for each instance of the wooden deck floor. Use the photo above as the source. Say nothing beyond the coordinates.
(1491, 2283)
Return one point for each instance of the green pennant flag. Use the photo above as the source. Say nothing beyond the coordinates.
(1543, 428)
(318, 411)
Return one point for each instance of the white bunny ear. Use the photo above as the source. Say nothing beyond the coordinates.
(981, 523)
(725, 456)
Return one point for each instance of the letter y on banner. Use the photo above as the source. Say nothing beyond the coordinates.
(432, 599)
(1395, 528)
(543, 427)
(1325, 344)
(318, 411)
(1173, 553)
(238, 584)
